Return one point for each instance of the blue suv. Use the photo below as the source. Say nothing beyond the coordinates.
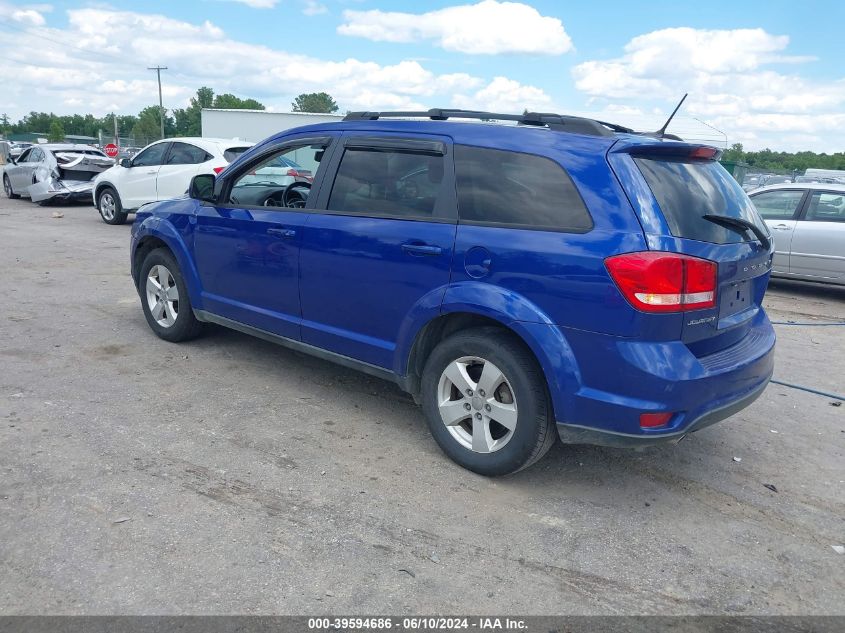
(560, 277)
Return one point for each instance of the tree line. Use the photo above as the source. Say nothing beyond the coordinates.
(146, 124)
(783, 162)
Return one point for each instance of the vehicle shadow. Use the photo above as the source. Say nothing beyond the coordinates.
(583, 470)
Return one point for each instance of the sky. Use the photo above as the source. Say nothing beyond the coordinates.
(760, 73)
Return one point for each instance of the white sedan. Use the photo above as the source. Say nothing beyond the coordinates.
(160, 171)
(807, 223)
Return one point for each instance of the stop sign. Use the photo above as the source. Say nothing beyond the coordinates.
(110, 150)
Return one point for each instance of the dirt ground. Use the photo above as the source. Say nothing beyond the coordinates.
(228, 475)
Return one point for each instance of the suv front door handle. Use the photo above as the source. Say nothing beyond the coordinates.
(413, 248)
(781, 227)
(283, 233)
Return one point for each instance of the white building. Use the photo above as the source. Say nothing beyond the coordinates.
(256, 125)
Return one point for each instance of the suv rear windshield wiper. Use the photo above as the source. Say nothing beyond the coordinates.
(740, 223)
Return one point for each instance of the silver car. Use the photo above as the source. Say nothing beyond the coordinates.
(807, 223)
(54, 172)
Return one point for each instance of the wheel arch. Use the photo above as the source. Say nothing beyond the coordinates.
(157, 233)
(543, 340)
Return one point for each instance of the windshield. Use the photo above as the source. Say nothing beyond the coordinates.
(688, 190)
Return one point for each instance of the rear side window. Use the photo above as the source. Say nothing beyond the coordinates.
(233, 152)
(778, 205)
(514, 189)
(687, 190)
(186, 154)
(827, 207)
(387, 183)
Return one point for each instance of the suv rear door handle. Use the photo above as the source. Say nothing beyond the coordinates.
(283, 233)
(417, 249)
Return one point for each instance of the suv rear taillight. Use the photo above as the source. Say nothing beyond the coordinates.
(655, 281)
(217, 170)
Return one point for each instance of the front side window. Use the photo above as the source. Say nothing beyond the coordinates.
(514, 189)
(827, 207)
(186, 154)
(387, 183)
(151, 156)
(778, 205)
(273, 182)
(24, 157)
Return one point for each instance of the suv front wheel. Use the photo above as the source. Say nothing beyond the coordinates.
(110, 207)
(164, 298)
(486, 403)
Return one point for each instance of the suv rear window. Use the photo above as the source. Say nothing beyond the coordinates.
(514, 189)
(233, 152)
(687, 190)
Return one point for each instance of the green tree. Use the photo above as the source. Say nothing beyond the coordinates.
(232, 102)
(188, 121)
(57, 132)
(147, 128)
(314, 102)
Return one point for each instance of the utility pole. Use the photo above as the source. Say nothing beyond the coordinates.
(158, 70)
(116, 133)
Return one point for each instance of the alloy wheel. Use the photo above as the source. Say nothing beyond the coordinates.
(162, 296)
(477, 404)
(107, 206)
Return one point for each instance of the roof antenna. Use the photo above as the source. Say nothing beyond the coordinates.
(662, 131)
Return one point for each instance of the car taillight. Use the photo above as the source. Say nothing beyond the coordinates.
(293, 173)
(217, 170)
(655, 281)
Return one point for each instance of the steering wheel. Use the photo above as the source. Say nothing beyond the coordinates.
(275, 199)
(294, 199)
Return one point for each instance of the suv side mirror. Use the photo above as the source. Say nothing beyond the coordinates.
(125, 162)
(202, 188)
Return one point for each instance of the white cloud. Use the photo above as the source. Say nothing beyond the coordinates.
(732, 81)
(505, 95)
(100, 60)
(28, 14)
(258, 4)
(486, 28)
(312, 7)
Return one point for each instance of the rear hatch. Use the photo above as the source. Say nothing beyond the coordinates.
(705, 214)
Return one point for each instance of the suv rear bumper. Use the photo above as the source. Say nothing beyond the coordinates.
(574, 434)
(619, 379)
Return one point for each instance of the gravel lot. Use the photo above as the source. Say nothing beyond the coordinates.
(228, 475)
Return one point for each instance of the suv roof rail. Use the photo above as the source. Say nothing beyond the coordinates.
(558, 122)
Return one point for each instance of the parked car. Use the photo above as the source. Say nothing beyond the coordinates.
(127, 152)
(807, 221)
(16, 149)
(553, 278)
(54, 172)
(160, 171)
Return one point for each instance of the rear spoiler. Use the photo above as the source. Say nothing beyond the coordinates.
(667, 149)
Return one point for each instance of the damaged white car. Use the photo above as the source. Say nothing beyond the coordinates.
(54, 172)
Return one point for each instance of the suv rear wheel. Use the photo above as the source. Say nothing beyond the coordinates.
(109, 206)
(164, 298)
(486, 403)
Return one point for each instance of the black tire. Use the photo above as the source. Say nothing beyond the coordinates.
(535, 431)
(105, 195)
(186, 326)
(7, 187)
